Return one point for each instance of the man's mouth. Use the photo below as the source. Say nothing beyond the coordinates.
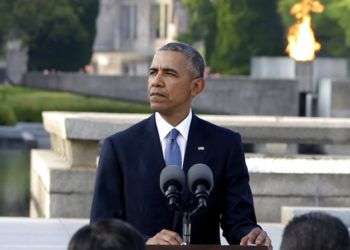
(157, 94)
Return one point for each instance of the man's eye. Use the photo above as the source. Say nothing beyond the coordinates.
(152, 72)
(170, 73)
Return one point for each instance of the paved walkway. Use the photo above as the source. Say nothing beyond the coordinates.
(37, 234)
(47, 234)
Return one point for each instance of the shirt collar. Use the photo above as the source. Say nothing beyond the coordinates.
(164, 127)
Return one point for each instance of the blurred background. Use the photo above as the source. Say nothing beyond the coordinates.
(61, 55)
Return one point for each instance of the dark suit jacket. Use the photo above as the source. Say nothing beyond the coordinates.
(127, 182)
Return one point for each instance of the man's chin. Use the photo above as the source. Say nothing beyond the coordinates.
(157, 107)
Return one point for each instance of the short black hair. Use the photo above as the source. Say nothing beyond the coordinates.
(197, 61)
(107, 235)
(315, 231)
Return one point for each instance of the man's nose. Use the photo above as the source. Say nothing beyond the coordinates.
(156, 80)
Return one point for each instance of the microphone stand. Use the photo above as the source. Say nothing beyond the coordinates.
(186, 228)
(186, 222)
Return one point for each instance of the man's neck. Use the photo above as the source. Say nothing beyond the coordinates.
(175, 119)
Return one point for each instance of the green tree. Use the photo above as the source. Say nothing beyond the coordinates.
(87, 11)
(246, 28)
(57, 33)
(339, 11)
(331, 27)
(5, 21)
(202, 25)
(235, 30)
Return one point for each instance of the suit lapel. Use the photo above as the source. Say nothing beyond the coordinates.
(195, 151)
(196, 144)
(152, 149)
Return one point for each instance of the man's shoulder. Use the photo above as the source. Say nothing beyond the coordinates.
(217, 131)
(134, 131)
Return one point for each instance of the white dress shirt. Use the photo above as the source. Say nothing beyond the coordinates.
(164, 128)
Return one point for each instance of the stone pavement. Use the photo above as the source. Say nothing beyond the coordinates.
(54, 234)
(37, 234)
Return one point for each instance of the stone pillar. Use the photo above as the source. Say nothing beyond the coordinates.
(304, 75)
(16, 61)
(2, 71)
(62, 178)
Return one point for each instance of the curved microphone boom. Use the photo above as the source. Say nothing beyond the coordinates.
(172, 181)
(200, 182)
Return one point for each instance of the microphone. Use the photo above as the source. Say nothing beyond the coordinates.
(200, 182)
(172, 181)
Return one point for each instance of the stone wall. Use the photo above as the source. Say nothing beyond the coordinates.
(130, 88)
(235, 95)
(313, 181)
(62, 179)
(333, 98)
(247, 96)
(287, 68)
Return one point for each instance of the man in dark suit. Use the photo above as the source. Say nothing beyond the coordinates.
(127, 182)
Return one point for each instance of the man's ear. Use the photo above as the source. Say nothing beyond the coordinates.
(198, 86)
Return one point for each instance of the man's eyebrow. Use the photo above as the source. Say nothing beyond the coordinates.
(168, 70)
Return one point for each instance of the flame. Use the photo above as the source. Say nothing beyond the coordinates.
(302, 44)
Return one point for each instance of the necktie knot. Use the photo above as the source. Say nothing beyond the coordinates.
(173, 134)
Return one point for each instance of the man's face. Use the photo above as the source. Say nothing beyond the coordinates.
(170, 83)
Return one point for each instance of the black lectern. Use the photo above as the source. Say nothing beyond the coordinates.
(203, 247)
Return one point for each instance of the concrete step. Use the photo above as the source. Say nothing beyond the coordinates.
(288, 213)
(298, 181)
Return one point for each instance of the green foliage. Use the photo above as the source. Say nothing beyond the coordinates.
(5, 22)
(340, 11)
(202, 24)
(331, 27)
(252, 28)
(87, 11)
(234, 31)
(227, 58)
(7, 115)
(28, 104)
(284, 7)
(59, 34)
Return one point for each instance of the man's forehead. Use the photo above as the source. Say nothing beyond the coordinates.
(169, 59)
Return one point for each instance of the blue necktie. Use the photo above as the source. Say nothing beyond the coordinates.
(172, 150)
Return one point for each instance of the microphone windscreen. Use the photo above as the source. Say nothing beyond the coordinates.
(172, 175)
(200, 174)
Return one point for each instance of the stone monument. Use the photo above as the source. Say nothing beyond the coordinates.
(128, 32)
(16, 61)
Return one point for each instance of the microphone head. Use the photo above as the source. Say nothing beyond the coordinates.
(200, 174)
(172, 175)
